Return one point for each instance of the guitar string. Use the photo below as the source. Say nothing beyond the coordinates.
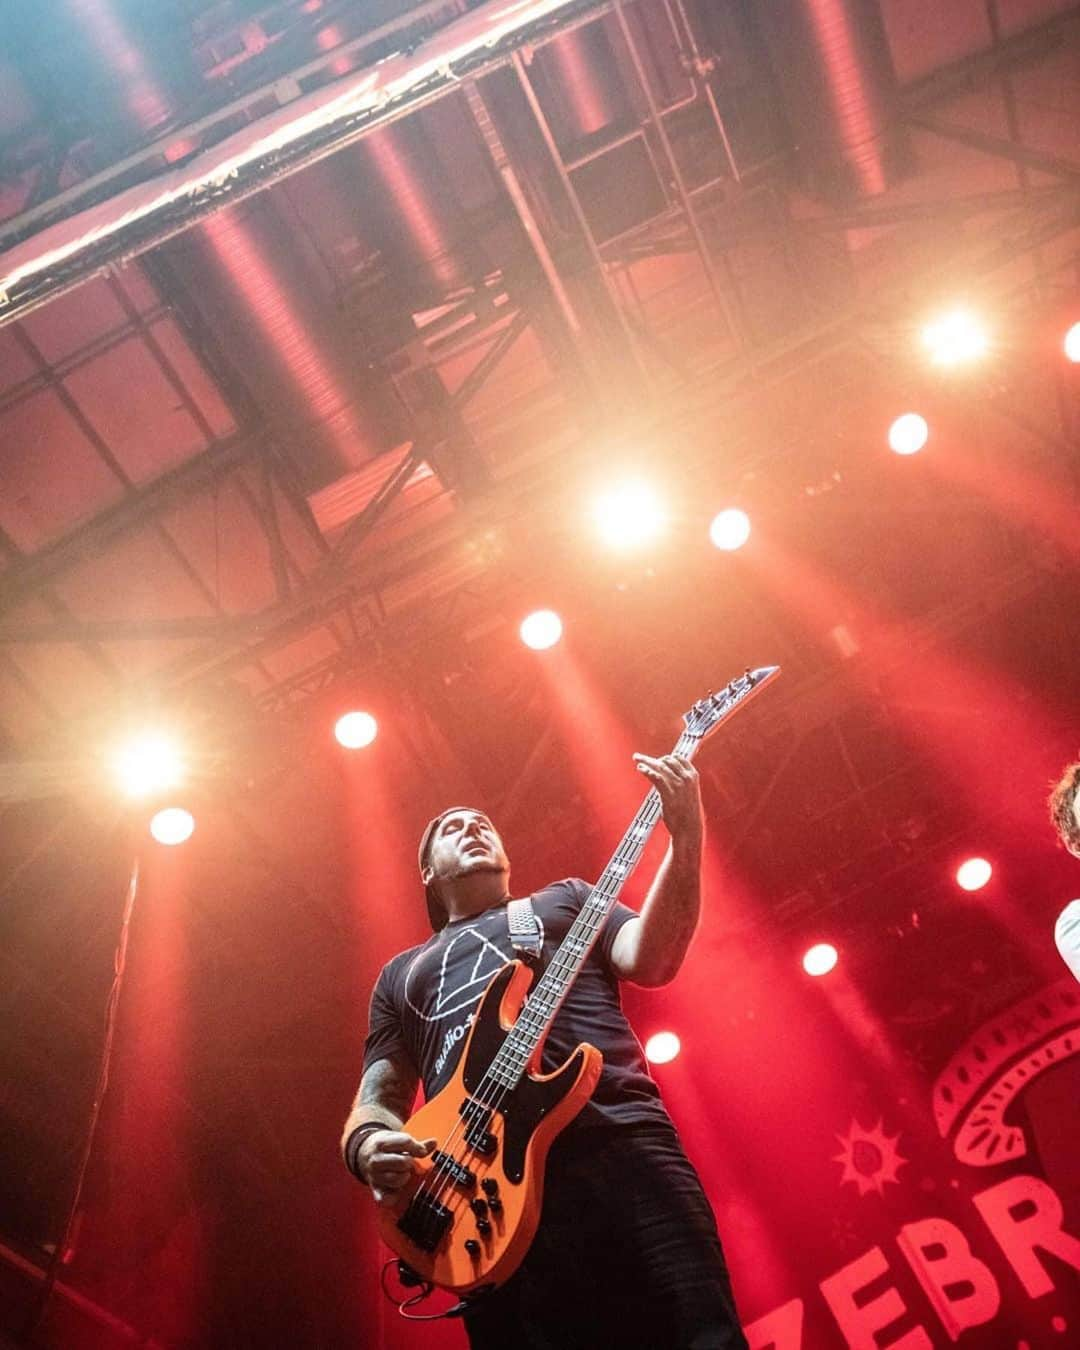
(435, 1185)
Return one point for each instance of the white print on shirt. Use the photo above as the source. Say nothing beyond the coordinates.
(451, 1039)
(466, 994)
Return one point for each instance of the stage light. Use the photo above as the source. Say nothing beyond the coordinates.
(662, 1048)
(973, 874)
(730, 529)
(628, 515)
(355, 730)
(908, 434)
(820, 959)
(541, 629)
(1072, 343)
(956, 338)
(147, 764)
(173, 825)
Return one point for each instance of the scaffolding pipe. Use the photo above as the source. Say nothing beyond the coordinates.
(70, 251)
(657, 118)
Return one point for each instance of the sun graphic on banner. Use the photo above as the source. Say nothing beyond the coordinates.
(870, 1158)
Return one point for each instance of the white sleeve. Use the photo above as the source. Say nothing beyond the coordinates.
(1067, 936)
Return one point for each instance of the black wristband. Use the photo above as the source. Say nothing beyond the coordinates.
(355, 1142)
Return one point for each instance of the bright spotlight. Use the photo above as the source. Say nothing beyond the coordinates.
(820, 959)
(908, 434)
(730, 529)
(1072, 343)
(956, 338)
(973, 874)
(173, 825)
(662, 1048)
(629, 515)
(541, 629)
(147, 764)
(355, 730)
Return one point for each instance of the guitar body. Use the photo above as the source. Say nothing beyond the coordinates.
(483, 1185)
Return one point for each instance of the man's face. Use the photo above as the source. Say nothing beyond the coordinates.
(465, 842)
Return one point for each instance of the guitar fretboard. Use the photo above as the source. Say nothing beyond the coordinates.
(546, 999)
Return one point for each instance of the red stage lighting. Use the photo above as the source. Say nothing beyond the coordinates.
(973, 874)
(908, 434)
(355, 730)
(820, 959)
(541, 629)
(1072, 343)
(730, 529)
(172, 825)
(662, 1048)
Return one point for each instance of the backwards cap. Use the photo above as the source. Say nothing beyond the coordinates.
(436, 912)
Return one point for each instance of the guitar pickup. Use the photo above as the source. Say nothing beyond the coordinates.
(480, 1140)
(477, 1118)
(458, 1174)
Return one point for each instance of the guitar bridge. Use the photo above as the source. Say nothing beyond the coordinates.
(425, 1222)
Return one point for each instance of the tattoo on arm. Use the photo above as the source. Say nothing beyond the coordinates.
(386, 1093)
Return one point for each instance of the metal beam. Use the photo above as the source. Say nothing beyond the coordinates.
(22, 579)
(268, 516)
(276, 146)
(520, 202)
(65, 629)
(1014, 151)
(361, 526)
(734, 326)
(282, 89)
(950, 208)
(632, 345)
(504, 340)
(973, 72)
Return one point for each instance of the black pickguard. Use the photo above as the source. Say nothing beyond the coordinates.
(523, 1107)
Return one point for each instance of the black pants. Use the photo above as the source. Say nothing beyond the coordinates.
(627, 1255)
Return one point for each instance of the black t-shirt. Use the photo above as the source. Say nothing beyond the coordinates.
(425, 999)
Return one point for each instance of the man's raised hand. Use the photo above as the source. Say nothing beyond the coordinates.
(676, 780)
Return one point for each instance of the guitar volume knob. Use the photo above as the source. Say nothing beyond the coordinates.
(472, 1247)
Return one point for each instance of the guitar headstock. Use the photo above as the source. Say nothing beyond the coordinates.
(708, 712)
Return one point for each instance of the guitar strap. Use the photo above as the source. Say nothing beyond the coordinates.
(524, 928)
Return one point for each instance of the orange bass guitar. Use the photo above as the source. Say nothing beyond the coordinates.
(465, 1221)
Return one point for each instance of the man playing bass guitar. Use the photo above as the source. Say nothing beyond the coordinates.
(626, 1252)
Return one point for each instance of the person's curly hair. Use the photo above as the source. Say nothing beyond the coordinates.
(1062, 808)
